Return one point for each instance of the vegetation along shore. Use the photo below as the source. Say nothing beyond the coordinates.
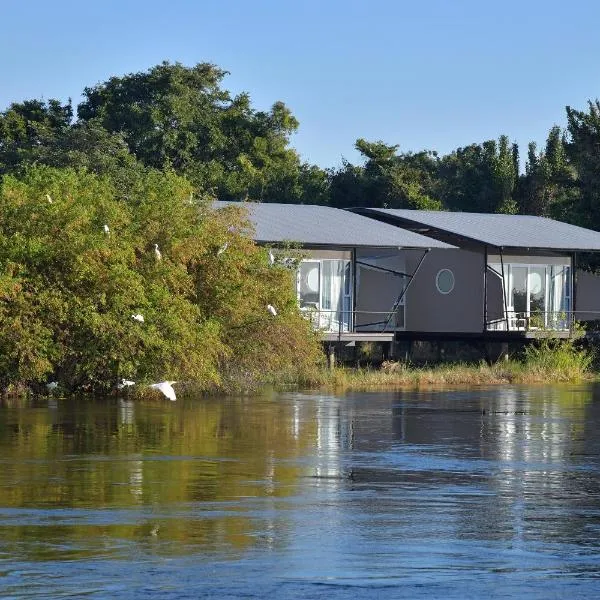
(113, 264)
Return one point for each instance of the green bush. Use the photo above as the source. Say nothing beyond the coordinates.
(69, 287)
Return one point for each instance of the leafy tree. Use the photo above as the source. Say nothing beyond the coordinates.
(27, 128)
(386, 180)
(582, 149)
(548, 187)
(180, 118)
(69, 287)
(480, 177)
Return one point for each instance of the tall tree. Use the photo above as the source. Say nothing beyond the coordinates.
(480, 177)
(28, 128)
(583, 151)
(180, 118)
(386, 179)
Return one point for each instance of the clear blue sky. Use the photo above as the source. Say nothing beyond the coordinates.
(425, 75)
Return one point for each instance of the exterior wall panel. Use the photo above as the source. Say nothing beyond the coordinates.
(587, 297)
(461, 310)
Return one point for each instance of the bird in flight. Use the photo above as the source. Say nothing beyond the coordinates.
(166, 387)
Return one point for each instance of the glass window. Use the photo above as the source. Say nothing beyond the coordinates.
(444, 281)
(309, 284)
(537, 296)
(519, 290)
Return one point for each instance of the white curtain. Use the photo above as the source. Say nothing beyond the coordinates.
(559, 297)
(333, 287)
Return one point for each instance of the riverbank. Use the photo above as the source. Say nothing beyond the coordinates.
(398, 375)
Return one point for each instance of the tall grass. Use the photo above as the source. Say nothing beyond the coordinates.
(547, 362)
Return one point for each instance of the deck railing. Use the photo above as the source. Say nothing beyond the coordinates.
(541, 320)
(346, 321)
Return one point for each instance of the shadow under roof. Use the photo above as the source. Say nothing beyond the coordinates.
(313, 225)
(502, 231)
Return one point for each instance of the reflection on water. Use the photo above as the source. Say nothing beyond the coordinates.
(493, 492)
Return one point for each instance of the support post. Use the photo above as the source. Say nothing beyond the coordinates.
(331, 357)
(504, 289)
(485, 270)
(573, 294)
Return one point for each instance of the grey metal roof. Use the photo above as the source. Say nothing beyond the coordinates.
(503, 231)
(312, 225)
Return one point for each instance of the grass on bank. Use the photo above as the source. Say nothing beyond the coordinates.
(550, 361)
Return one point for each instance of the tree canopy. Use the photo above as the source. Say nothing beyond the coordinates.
(78, 263)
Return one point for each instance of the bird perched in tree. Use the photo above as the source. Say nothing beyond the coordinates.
(157, 252)
(166, 387)
(137, 317)
(106, 229)
(49, 198)
(272, 310)
(222, 248)
(51, 386)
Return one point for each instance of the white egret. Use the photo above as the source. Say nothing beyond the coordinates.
(125, 383)
(166, 387)
(49, 198)
(222, 248)
(272, 310)
(271, 258)
(51, 386)
(157, 252)
(106, 229)
(137, 317)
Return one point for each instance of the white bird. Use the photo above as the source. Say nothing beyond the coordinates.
(157, 252)
(166, 387)
(139, 318)
(106, 229)
(272, 310)
(125, 383)
(51, 386)
(271, 258)
(49, 198)
(222, 248)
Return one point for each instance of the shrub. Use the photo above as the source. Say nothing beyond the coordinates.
(69, 287)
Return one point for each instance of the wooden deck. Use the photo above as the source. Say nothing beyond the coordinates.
(358, 336)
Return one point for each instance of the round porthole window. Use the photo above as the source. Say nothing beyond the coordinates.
(444, 281)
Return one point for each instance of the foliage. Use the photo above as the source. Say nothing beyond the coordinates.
(561, 357)
(386, 180)
(69, 288)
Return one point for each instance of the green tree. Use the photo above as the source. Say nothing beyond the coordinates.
(180, 118)
(582, 149)
(69, 287)
(480, 177)
(27, 128)
(386, 179)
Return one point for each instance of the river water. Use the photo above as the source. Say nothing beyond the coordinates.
(491, 492)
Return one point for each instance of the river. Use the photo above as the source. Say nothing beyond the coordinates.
(492, 492)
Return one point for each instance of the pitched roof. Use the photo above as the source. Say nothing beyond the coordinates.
(312, 225)
(502, 231)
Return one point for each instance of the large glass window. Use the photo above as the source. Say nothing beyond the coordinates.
(537, 296)
(325, 289)
(309, 284)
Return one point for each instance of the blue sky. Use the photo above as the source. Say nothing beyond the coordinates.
(436, 75)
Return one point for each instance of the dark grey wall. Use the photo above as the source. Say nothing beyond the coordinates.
(587, 297)
(461, 310)
(377, 291)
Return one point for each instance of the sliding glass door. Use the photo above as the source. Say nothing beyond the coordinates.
(536, 296)
(325, 291)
